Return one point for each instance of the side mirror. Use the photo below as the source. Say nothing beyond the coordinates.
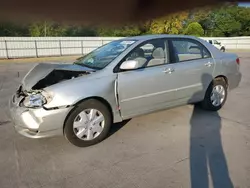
(129, 65)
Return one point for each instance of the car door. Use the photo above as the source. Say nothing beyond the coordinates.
(193, 67)
(148, 88)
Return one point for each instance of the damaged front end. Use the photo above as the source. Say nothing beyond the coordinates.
(34, 98)
(31, 119)
(57, 76)
(44, 75)
(27, 106)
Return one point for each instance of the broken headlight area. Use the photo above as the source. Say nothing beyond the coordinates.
(37, 99)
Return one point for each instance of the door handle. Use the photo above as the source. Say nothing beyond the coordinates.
(168, 70)
(209, 64)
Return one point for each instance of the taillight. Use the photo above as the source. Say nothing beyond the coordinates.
(238, 61)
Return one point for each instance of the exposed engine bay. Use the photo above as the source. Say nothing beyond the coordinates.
(57, 76)
(31, 92)
(47, 74)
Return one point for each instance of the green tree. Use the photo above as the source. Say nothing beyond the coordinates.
(121, 31)
(145, 27)
(104, 31)
(243, 16)
(226, 22)
(195, 29)
(13, 29)
(74, 30)
(202, 16)
(172, 24)
(127, 30)
(44, 29)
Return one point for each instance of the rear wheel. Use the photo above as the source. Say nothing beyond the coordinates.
(216, 95)
(88, 123)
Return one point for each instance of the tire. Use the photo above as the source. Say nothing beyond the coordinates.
(223, 49)
(207, 103)
(69, 126)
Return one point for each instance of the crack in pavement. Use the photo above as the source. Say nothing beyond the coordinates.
(4, 122)
(234, 121)
(17, 156)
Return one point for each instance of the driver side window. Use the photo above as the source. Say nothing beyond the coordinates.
(150, 53)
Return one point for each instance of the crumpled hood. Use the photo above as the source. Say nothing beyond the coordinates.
(42, 70)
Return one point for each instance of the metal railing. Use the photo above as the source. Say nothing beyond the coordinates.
(41, 48)
(22, 47)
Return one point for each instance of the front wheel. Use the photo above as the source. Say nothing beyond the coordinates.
(216, 95)
(88, 123)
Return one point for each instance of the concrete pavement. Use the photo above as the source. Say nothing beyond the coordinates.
(170, 148)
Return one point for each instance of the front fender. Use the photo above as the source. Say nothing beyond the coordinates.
(71, 92)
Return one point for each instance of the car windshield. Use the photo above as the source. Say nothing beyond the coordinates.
(101, 57)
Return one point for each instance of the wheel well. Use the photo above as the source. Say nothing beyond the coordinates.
(100, 99)
(222, 77)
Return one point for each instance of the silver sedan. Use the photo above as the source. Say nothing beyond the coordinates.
(118, 81)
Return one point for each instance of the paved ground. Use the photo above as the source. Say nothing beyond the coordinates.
(150, 151)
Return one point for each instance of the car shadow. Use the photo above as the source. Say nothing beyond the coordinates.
(117, 126)
(207, 158)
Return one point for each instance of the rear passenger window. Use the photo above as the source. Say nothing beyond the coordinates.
(186, 49)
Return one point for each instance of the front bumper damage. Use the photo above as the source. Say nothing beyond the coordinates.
(37, 122)
(42, 122)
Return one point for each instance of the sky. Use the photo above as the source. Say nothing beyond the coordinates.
(244, 4)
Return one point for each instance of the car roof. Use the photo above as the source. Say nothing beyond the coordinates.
(148, 37)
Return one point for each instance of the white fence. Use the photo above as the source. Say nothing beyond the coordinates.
(235, 43)
(20, 47)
